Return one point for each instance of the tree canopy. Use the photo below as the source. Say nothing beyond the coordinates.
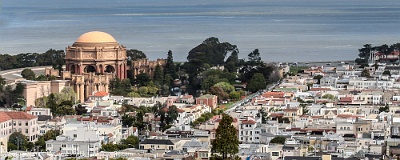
(212, 52)
(134, 54)
(226, 141)
(257, 82)
(28, 74)
(278, 139)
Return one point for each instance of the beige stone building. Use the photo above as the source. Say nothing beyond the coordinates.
(37, 89)
(11, 122)
(146, 66)
(92, 61)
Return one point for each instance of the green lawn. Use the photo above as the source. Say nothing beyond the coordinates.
(296, 69)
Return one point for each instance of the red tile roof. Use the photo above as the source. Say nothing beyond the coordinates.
(100, 94)
(273, 94)
(20, 115)
(320, 89)
(181, 110)
(4, 117)
(290, 110)
(248, 122)
(346, 99)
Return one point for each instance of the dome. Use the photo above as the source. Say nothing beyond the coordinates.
(96, 37)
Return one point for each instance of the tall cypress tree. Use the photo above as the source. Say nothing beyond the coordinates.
(158, 76)
(226, 138)
(170, 66)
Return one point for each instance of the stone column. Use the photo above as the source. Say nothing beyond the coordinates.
(121, 71)
(117, 70)
(106, 87)
(76, 86)
(82, 91)
(124, 75)
(97, 68)
(88, 92)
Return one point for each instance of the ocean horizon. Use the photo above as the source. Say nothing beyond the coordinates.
(282, 30)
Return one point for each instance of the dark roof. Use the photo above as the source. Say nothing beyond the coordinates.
(379, 138)
(158, 141)
(349, 136)
(301, 158)
(288, 148)
(43, 117)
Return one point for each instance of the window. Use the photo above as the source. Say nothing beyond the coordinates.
(26, 123)
(26, 131)
(15, 123)
(48, 145)
(75, 135)
(63, 145)
(275, 153)
(19, 123)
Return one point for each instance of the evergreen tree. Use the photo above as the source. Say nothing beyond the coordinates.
(158, 77)
(278, 139)
(142, 79)
(170, 66)
(232, 62)
(226, 139)
(256, 83)
(52, 103)
(28, 74)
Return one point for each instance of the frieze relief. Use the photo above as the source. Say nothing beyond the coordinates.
(108, 55)
(87, 55)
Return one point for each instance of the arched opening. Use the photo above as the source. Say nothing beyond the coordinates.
(110, 69)
(72, 69)
(89, 69)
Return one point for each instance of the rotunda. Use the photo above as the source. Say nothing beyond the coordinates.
(92, 60)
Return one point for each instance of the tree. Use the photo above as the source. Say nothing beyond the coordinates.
(212, 52)
(256, 83)
(142, 79)
(254, 58)
(234, 95)
(28, 74)
(278, 139)
(384, 109)
(228, 88)
(386, 73)
(152, 89)
(64, 108)
(226, 139)
(52, 103)
(131, 141)
(143, 90)
(222, 95)
(261, 113)
(365, 73)
(41, 143)
(318, 78)
(109, 147)
(127, 120)
(158, 77)
(328, 96)
(232, 62)
(170, 66)
(172, 114)
(134, 54)
(67, 94)
(17, 141)
(80, 110)
(133, 94)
